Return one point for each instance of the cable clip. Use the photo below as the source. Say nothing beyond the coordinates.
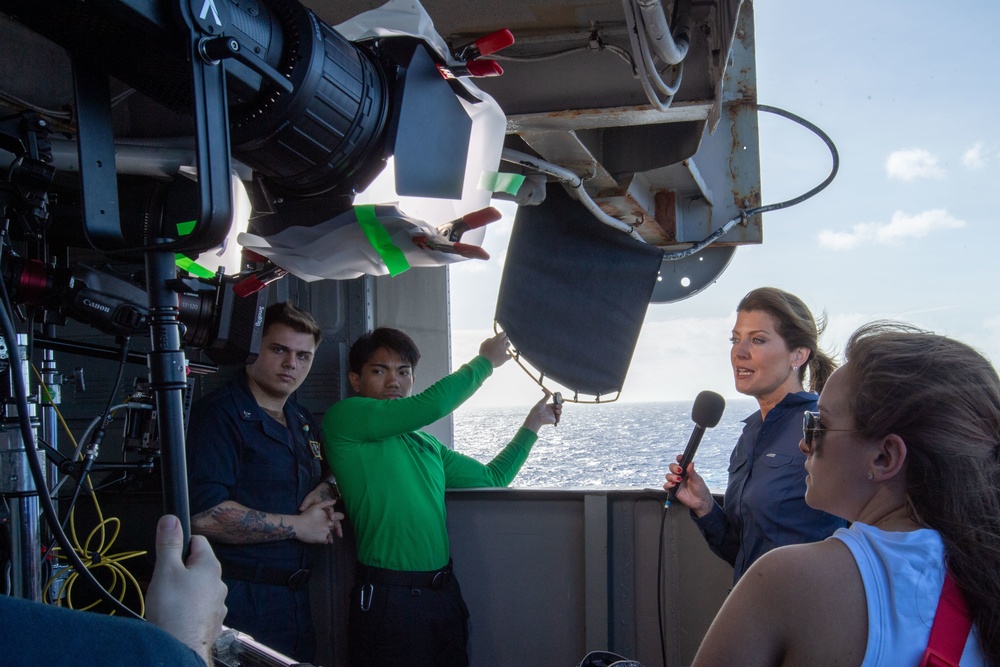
(367, 604)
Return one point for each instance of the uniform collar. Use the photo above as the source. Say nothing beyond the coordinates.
(791, 401)
(250, 410)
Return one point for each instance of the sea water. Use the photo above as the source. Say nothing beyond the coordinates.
(609, 445)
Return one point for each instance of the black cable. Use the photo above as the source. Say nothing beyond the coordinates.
(659, 590)
(96, 438)
(21, 398)
(98, 435)
(819, 188)
(749, 213)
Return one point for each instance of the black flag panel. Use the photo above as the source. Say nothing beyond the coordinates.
(574, 294)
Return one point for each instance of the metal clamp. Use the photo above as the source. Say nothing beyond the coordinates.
(366, 604)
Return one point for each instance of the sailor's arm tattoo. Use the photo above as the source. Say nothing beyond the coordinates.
(232, 523)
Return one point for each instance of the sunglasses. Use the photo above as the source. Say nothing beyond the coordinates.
(812, 431)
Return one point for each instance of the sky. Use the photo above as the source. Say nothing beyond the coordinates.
(908, 230)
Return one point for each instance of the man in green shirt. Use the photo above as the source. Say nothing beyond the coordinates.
(406, 606)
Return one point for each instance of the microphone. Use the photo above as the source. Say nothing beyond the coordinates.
(706, 413)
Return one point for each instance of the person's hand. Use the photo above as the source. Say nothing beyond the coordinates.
(337, 518)
(319, 523)
(495, 349)
(324, 491)
(543, 413)
(188, 600)
(692, 491)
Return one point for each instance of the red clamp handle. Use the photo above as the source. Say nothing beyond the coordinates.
(474, 68)
(493, 42)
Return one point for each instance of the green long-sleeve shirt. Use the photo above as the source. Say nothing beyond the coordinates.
(393, 476)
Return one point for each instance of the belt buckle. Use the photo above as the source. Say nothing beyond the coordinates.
(439, 579)
(299, 579)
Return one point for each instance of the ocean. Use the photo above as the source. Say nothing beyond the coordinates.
(609, 445)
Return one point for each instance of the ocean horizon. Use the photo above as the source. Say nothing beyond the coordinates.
(607, 445)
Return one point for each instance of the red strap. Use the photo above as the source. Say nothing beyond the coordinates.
(951, 628)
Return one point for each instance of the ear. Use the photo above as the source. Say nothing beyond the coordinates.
(355, 380)
(890, 458)
(799, 356)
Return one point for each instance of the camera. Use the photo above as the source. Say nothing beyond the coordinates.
(226, 326)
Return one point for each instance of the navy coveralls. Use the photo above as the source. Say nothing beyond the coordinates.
(235, 451)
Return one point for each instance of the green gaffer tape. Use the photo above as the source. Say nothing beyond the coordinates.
(377, 235)
(501, 182)
(185, 262)
(192, 267)
(185, 228)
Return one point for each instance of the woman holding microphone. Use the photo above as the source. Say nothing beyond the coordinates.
(775, 341)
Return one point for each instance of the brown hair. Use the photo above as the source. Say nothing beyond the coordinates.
(942, 398)
(293, 318)
(797, 327)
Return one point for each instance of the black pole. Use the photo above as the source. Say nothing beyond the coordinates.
(167, 380)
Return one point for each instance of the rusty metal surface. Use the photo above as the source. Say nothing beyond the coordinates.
(586, 111)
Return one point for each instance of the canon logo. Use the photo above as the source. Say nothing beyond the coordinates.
(96, 306)
(260, 317)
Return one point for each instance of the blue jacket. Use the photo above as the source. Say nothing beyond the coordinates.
(764, 506)
(235, 451)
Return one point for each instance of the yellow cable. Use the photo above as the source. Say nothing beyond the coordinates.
(121, 578)
(48, 395)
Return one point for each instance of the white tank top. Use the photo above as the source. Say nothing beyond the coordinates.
(903, 574)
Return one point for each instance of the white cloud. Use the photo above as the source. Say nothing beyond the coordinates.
(900, 228)
(975, 157)
(839, 240)
(911, 164)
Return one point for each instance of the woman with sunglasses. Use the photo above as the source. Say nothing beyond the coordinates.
(775, 341)
(906, 445)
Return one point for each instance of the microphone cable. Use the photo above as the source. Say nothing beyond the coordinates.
(659, 589)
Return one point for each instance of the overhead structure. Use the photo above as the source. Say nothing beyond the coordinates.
(644, 111)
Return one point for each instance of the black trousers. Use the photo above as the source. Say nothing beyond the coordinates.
(400, 626)
(276, 616)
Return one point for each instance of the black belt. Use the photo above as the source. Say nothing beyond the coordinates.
(367, 574)
(294, 579)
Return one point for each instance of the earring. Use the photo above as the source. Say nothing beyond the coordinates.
(871, 474)
(795, 369)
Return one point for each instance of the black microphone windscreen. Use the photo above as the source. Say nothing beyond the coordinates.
(708, 409)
